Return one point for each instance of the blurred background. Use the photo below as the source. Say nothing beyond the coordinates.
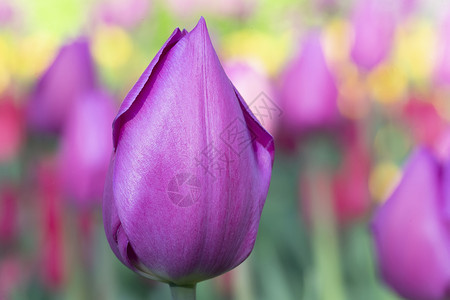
(347, 88)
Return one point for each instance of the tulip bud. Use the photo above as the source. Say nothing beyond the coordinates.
(71, 74)
(374, 25)
(309, 92)
(86, 146)
(190, 170)
(411, 232)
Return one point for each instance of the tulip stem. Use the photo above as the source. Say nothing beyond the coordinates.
(182, 292)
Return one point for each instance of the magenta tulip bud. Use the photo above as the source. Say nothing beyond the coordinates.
(374, 25)
(411, 232)
(85, 148)
(309, 92)
(71, 75)
(190, 170)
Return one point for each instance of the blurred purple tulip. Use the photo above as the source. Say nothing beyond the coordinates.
(442, 69)
(257, 90)
(374, 26)
(191, 168)
(309, 92)
(411, 231)
(71, 75)
(86, 146)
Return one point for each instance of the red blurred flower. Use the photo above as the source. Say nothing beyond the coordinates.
(52, 248)
(11, 129)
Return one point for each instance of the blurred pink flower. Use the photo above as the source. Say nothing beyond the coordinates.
(351, 183)
(256, 88)
(86, 146)
(124, 13)
(442, 68)
(308, 92)
(426, 125)
(374, 24)
(6, 12)
(12, 129)
(410, 230)
(70, 75)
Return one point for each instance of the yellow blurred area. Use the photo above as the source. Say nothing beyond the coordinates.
(6, 58)
(383, 179)
(337, 40)
(24, 58)
(112, 46)
(59, 18)
(387, 84)
(353, 101)
(272, 50)
(34, 53)
(414, 51)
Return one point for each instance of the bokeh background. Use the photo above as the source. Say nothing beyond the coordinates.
(347, 88)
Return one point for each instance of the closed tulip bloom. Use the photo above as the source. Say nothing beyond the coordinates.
(309, 92)
(190, 170)
(411, 232)
(70, 75)
(374, 26)
(85, 148)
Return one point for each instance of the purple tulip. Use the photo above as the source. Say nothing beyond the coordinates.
(86, 146)
(190, 170)
(71, 75)
(411, 231)
(374, 25)
(309, 93)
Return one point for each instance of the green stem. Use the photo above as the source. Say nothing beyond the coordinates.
(182, 292)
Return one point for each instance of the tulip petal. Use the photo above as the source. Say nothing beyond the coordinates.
(137, 88)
